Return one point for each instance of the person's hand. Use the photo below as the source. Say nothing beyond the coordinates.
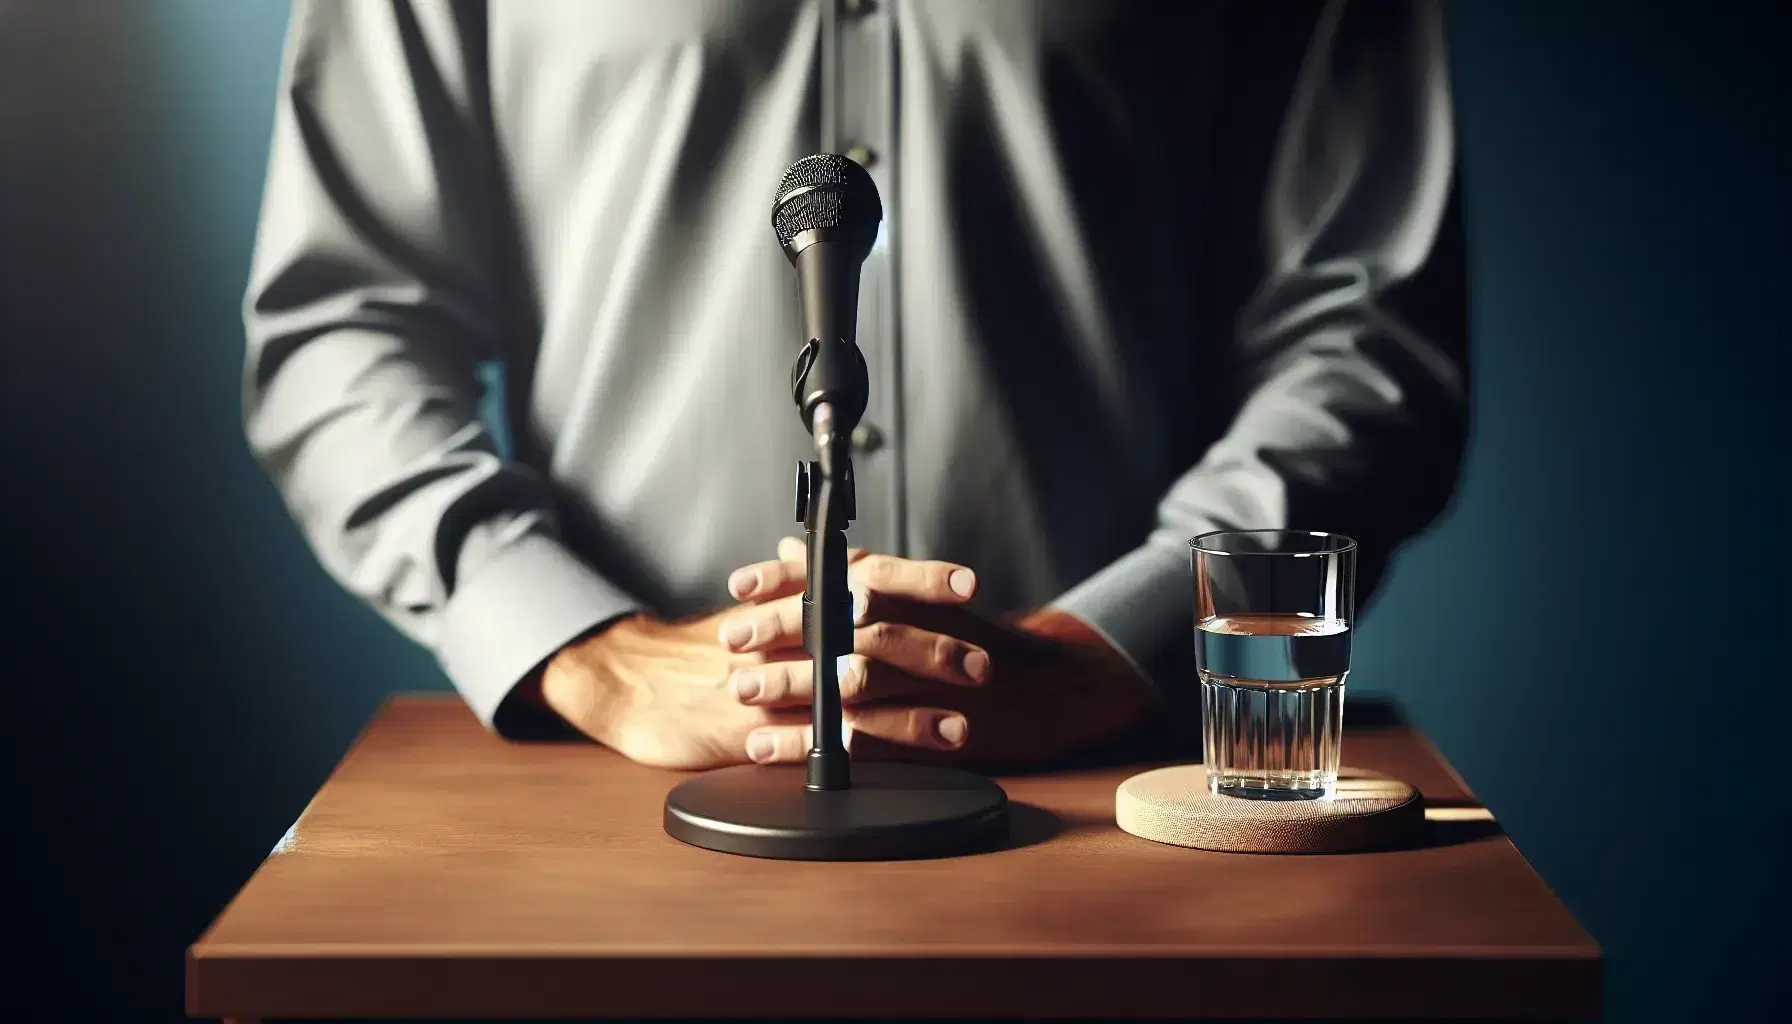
(891, 659)
(1046, 686)
(657, 692)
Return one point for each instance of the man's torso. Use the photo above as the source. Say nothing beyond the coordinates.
(1072, 195)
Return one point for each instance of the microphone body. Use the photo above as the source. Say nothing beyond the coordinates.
(830, 369)
(827, 277)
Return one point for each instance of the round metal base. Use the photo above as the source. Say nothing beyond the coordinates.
(892, 812)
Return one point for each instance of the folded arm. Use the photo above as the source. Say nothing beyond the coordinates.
(373, 298)
(1350, 358)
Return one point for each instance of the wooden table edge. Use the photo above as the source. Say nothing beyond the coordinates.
(1518, 982)
(257, 951)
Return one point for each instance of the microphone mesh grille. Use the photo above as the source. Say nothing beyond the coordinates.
(811, 210)
(842, 195)
(820, 169)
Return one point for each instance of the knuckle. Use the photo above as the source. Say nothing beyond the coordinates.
(879, 571)
(568, 693)
(855, 675)
(772, 623)
(944, 657)
(773, 574)
(777, 680)
(883, 634)
(916, 727)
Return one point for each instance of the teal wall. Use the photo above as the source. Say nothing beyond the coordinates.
(187, 677)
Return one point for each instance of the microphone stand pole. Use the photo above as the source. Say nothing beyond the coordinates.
(831, 809)
(826, 504)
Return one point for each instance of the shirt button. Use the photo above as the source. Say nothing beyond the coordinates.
(862, 155)
(867, 439)
(855, 8)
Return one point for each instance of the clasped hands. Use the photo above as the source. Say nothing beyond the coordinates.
(928, 679)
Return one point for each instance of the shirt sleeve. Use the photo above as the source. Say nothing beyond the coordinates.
(1350, 359)
(375, 294)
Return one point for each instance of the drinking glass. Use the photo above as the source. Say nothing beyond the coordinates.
(1273, 617)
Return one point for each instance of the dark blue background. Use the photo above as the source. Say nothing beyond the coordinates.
(1590, 636)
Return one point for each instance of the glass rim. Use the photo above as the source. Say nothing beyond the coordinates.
(1345, 546)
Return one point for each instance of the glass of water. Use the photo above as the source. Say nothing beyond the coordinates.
(1273, 615)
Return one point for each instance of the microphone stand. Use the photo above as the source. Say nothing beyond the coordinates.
(825, 503)
(831, 809)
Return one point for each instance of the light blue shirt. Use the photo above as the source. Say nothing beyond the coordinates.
(1147, 270)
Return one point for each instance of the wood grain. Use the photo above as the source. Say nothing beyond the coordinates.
(441, 871)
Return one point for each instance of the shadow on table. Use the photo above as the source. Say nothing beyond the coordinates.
(1029, 824)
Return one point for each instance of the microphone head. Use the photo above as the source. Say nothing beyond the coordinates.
(826, 197)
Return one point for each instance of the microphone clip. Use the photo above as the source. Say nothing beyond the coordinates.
(810, 494)
(831, 372)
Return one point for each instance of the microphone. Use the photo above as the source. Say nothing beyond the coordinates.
(826, 215)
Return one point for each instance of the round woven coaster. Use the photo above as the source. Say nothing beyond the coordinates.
(1174, 806)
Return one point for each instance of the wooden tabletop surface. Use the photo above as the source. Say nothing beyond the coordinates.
(444, 872)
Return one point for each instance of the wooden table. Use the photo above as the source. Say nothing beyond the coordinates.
(444, 872)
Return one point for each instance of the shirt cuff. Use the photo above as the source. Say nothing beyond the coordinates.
(1141, 604)
(527, 602)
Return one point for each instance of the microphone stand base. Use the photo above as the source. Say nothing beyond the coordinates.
(893, 811)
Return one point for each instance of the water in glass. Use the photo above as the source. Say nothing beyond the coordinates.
(1272, 694)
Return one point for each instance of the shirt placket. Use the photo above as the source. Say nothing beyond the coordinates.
(859, 116)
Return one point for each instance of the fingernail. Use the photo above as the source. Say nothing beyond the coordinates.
(951, 729)
(861, 606)
(962, 582)
(743, 582)
(736, 633)
(760, 747)
(748, 684)
(976, 665)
